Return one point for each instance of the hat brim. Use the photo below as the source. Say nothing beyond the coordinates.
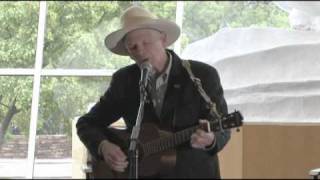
(114, 40)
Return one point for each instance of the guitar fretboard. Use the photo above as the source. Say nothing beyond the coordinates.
(168, 142)
(180, 137)
(229, 121)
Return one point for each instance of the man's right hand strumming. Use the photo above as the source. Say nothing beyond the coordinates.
(113, 156)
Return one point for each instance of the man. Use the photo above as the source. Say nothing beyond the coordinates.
(174, 101)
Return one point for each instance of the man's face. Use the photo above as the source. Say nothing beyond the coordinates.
(146, 45)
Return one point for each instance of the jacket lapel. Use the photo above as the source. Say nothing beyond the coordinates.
(174, 88)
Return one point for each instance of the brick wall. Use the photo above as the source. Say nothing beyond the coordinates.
(47, 147)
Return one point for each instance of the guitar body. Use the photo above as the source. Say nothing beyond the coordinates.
(149, 165)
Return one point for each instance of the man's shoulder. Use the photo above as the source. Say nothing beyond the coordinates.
(201, 68)
(128, 70)
(199, 63)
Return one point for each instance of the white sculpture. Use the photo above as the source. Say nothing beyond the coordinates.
(304, 15)
(269, 74)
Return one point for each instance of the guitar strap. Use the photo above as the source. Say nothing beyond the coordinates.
(197, 82)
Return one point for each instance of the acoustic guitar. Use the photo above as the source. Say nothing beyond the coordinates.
(157, 148)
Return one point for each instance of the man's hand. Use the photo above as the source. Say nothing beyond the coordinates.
(201, 139)
(114, 156)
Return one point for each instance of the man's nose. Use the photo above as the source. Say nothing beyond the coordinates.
(140, 49)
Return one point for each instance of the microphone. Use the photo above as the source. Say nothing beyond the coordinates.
(146, 70)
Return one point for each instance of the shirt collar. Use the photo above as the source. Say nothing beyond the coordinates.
(166, 73)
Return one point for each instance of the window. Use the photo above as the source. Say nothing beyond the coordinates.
(54, 65)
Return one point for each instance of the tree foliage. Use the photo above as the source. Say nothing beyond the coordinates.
(203, 19)
(18, 33)
(74, 38)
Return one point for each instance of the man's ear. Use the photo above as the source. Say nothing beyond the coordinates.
(163, 37)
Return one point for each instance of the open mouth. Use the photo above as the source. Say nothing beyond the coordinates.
(144, 60)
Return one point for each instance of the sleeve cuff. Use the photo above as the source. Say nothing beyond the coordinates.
(210, 147)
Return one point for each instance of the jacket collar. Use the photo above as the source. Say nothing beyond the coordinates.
(174, 88)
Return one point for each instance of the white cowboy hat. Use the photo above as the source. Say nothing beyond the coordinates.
(134, 18)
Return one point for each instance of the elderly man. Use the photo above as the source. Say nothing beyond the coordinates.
(174, 102)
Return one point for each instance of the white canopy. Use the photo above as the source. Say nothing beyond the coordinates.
(269, 74)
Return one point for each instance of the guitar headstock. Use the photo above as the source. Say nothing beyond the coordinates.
(229, 121)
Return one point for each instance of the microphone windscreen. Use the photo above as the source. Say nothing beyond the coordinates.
(146, 65)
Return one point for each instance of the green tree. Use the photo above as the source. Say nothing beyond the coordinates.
(18, 33)
(75, 34)
(15, 105)
(203, 19)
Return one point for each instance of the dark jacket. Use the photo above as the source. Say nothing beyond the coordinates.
(183, 107)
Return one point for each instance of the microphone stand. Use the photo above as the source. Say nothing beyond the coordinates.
(133, 150)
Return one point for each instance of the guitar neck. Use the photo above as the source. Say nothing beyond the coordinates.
(229, 121)
(174, 140)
